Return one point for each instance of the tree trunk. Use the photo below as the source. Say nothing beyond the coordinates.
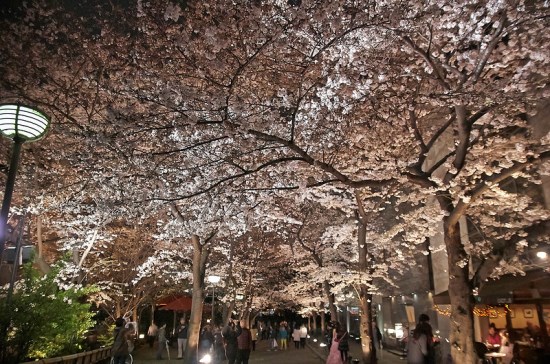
(369, 356)
(330, 298)
(200, 257)
(314, 328)
(118, 310)
(461, 298)
(245, 315)
(323, 320)
(230, 288)
(367, 343)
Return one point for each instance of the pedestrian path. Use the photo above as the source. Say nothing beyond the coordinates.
(312, 354)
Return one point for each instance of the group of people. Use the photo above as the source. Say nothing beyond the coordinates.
(157, 333)
(338, 344)
(280, 336)
(234, 342)
(420, 345)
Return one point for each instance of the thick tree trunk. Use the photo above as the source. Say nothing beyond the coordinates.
(200, 256)
(365, 298)
(367, 343)
(461, 298)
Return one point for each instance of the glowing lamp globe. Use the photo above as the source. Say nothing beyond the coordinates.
(23, 123)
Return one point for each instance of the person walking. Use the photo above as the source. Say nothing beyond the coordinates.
(296, 337)
(244, 343)
(334, 355)
(152, 333)
(119, 350)
(303, 336)
(181, 332)
(417, 346)
(218, 349)
(272, 338)
(343, 345)
(161, 341)
(425, 328)
(206, 339)
(254, 333)
(283, 336)
(230, 342)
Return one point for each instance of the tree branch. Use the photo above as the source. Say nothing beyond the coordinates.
(430, 61)
(482, 61)
(321, 165)
(228, 178)
(487, 182)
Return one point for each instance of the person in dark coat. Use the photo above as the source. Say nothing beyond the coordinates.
(343, 344)
(119, 350)
(230, 342)
(244, 343)
(425, 328)
(206, 339)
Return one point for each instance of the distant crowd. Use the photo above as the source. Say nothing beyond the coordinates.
(232, 343)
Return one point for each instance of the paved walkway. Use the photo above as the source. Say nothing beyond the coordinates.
(312, 354)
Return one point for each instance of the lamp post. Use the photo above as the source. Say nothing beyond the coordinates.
(21, 124)
(214, 280)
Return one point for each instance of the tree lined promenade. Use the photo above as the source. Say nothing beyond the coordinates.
(313, 354)
(312, 155)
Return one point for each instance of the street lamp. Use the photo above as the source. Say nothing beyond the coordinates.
(21, 124)
(214, 280)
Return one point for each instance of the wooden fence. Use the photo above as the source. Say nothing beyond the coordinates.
(87, 357)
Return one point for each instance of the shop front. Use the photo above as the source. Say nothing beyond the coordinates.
(519, 308)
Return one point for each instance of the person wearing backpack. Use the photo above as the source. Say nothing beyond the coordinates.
(119, 350)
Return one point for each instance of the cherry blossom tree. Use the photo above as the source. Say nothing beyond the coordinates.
(421, 108)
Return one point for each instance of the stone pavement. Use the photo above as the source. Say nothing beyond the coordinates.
(312, 354)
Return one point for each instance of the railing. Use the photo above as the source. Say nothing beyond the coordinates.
(87, 357)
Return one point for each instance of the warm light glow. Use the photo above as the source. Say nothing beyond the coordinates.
(214, 279)
(481, 311)
(542, 255)
(142, 336)
(322, 345)
(399, 331)
(206, 359)
(23, 122)
(314, 340)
